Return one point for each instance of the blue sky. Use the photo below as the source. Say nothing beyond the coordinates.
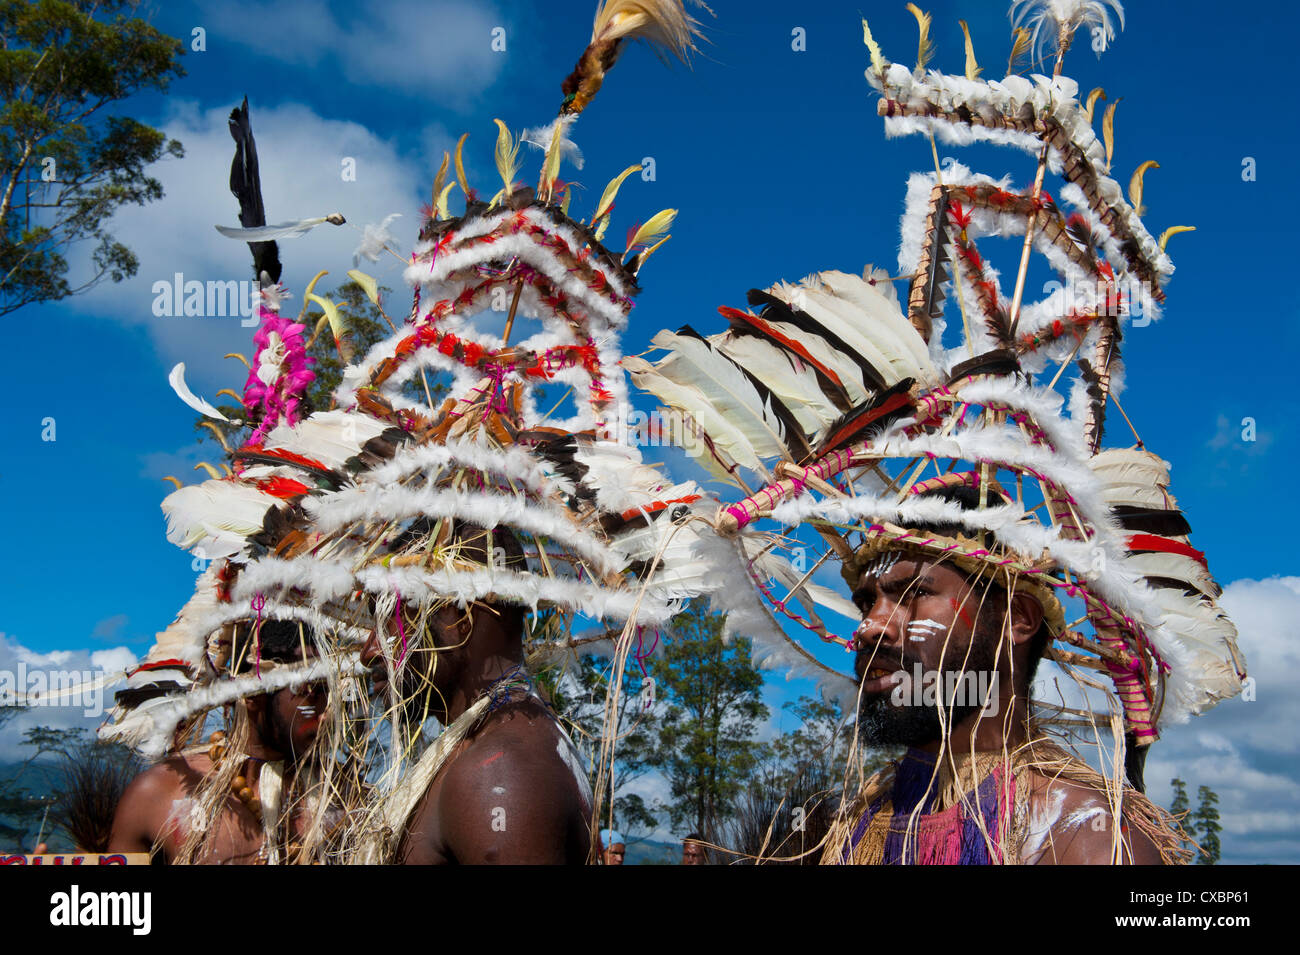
(779, 167)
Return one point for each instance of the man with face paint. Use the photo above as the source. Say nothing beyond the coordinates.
(945, 656)
(163, 810)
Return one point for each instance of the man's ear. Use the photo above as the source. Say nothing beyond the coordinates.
(256, 705)
(1026, 618)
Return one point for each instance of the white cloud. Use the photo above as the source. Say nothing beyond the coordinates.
(301, 156)
(438, 48)
(24, 670)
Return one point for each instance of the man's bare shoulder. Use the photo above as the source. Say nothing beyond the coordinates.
(172, 777)
(511, 795)
(1073, 823)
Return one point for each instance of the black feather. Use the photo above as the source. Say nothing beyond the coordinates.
(775, 310)
(246, 185)
(867, 419)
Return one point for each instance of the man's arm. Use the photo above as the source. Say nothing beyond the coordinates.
(1084, 832)
(144, 809)
(510, 799)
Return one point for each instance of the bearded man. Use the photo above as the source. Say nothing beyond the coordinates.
(945, 657)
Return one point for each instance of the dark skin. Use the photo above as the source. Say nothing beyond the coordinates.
(153, 815)
(693, 853)
(506, 794)
(920, 611)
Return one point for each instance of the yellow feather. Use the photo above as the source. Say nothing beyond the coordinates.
(235, 354)
(568, 197)
(367, 283)
(439, 179)
(878, 61)
(460, 165)
(337, 325)
(973, 70)
(227, 391)
(315, 334)
(220, 435)
(497, 198)
(175, 481)
(1020, 41)
(655, 229)
(650, 251)
(212, 472)
(507, 156)
(924, 48)
(1108, 131)
(611, 191)
(1095, 95)
(662, 23)
(1135, 186)
(302, 314)
(1172, 231)
(442, 200)
(551, 165)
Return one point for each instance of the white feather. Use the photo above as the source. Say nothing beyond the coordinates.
(177, 380)
(695, 364)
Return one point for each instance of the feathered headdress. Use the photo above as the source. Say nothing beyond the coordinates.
(351, 520)
(851, 411)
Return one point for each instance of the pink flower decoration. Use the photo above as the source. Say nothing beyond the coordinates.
(280, 373)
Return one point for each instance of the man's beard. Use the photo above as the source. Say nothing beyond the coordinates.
(881, 722)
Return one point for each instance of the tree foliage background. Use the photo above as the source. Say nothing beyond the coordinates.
(65, 164)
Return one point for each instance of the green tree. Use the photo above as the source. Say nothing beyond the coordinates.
(579, 695)
(706, 747)
(66, 166)
(1207, 826)
(1180, 806)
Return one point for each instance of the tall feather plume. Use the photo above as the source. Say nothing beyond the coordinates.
(774, 406)
(460, 165)
(609, 195)
(1172, 231)
(654, 229)
(924, 46)
(1091, 104)
(507, 156)
(177, 380)
(439, 181)
(440, 204)
(1108, 131)
(664, 24)
(1135, 186)
(1020, 43)
(554, 153)
(878, 62)
(1053, 23)
(973, 70)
